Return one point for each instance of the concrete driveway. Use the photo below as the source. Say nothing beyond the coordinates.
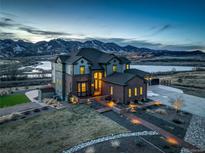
(192, 104)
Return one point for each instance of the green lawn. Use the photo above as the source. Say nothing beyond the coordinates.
(11, 100)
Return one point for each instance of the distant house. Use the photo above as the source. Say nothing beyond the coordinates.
(91, 72)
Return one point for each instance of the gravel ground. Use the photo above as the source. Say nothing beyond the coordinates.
(196, 132)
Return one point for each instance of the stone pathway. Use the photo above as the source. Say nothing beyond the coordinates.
(107, 138)
(196, 133)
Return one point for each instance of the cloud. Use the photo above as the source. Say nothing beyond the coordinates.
(155, 30)
(4, 24)
(163, 28)
(7, 19)
(7, 35)
(9, 23)
(36, 31)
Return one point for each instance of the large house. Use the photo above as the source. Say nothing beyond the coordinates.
(91, 72)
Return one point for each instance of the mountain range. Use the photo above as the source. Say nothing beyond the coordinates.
(11, 48)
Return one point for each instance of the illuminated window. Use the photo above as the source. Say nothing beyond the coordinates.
(100, 75)
(79, 89)
(82, 69)
(135, 91)
(83, 87)
(127, 66)
(114, 68)
(95, 75)
(96, 84)
(111, 90)
(129, 92)
(141, 90)
(100, 84)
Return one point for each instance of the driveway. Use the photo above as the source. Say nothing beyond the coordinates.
(192, 104)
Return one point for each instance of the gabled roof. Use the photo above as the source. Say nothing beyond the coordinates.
(119, 78)
(137, 72)
(62, 58)
(95, 55)
(72, 59)
(124, 60)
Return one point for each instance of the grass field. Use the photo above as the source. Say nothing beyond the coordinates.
(54, 131)
(11, 100)
(192, 83)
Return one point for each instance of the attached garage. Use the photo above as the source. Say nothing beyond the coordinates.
(125, 87)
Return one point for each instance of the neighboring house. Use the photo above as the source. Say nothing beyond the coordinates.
(91, 72)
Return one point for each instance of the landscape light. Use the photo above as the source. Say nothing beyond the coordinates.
(111, 104)
(172, 140)
(136, 121)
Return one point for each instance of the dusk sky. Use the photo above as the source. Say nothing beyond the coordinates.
(157, 24)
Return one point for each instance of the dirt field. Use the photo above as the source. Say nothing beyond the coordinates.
(192, 83)
(54, 131)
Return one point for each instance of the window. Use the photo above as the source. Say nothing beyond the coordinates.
(83, 87)
(100, 75)
(129, 92)
(96, 84)
(105, 74)
(100, 84)
(95, 75)
(111, 90)
(141, 90)
(127, 66)
(135, 92)
(79, 89)
(114, 68)
(82, 69)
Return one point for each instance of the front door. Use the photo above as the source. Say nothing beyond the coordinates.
(82, 88)
(97, 83)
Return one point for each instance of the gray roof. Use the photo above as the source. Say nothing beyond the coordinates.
(96, 57)
(124, 60)
(137, 72)
(63, 58)
(72, 59)
(119, 78)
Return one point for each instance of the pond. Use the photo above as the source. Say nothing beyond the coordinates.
(159, 68)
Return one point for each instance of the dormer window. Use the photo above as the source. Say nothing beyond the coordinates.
(82, 69)
(114, 68)
(127, 66)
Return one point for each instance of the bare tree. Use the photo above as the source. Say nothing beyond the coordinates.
(177, 103)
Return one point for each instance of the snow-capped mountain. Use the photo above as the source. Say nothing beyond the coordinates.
(10, 48)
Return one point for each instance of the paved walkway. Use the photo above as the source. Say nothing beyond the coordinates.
(104, 109)
(161, 131)
(19, 108)
(170, 137)
(32, 94)
(192, 104)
